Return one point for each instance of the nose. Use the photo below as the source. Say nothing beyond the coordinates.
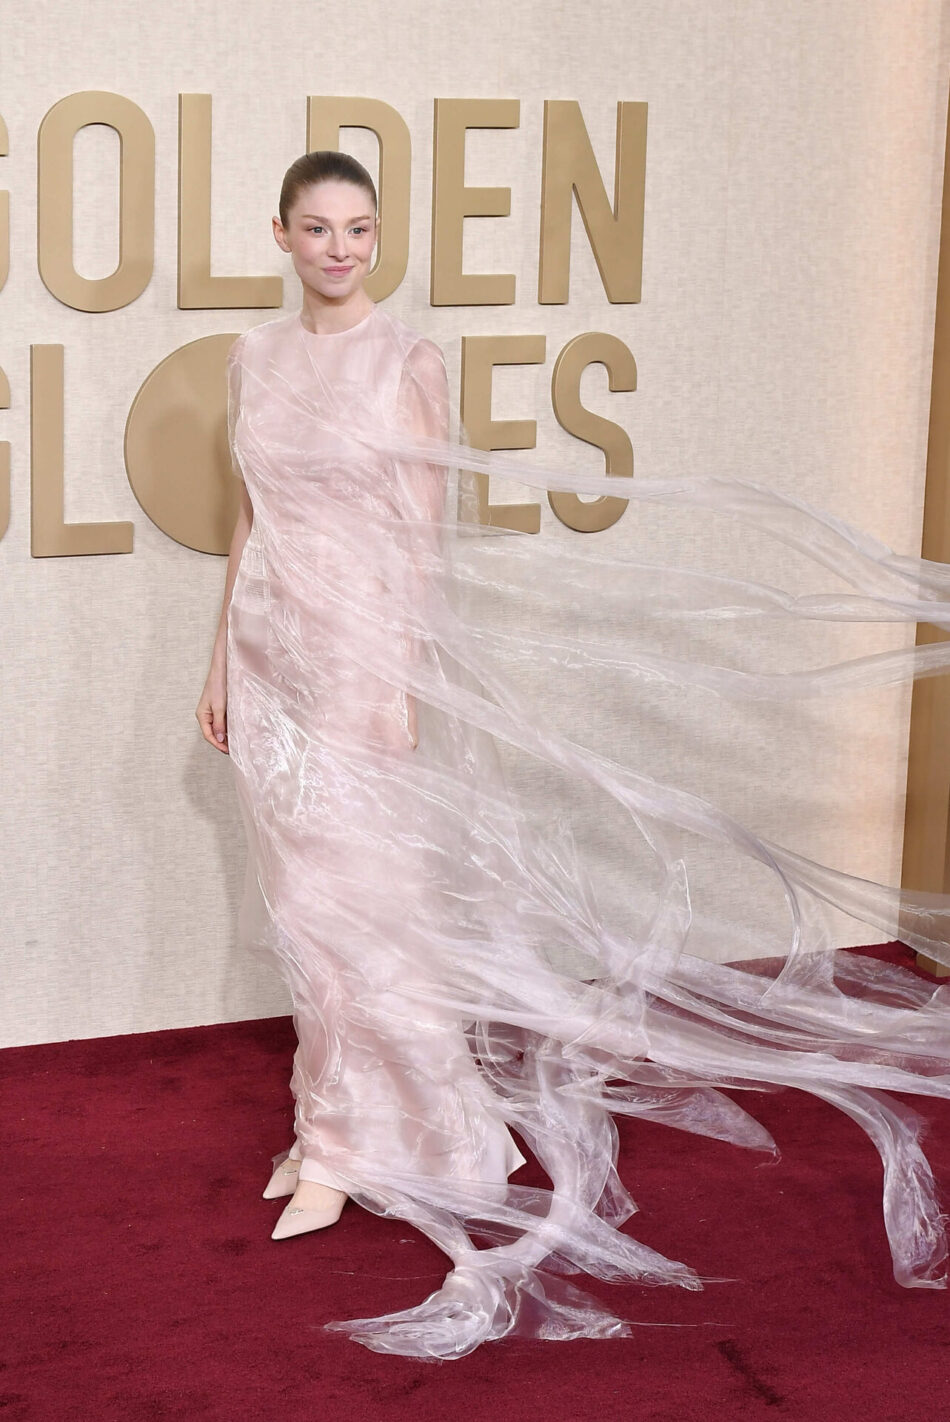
(337, 248)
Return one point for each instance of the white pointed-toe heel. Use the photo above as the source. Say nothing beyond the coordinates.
(295, 1220)
(283, 1181)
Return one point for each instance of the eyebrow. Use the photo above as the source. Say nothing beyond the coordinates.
(315, 217)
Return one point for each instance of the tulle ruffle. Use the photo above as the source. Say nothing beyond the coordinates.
(454, 976)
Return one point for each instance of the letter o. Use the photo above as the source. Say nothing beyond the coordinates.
(55, 201)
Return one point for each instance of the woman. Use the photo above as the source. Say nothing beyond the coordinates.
(451, 974)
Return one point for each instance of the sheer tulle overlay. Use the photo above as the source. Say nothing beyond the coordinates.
(430, 925)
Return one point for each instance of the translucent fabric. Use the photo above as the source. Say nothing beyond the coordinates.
(454, 978)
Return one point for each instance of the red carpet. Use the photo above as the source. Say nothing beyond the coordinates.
(141, 1283)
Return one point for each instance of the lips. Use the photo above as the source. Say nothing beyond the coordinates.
(337, 271)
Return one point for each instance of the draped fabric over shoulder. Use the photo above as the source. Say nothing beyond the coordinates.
(458, 990)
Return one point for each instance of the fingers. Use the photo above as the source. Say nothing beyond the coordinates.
(219, 725)
(214, 726)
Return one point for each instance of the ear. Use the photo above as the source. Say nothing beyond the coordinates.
(280, 237)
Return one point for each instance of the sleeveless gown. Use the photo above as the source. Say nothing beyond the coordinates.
(453, 978)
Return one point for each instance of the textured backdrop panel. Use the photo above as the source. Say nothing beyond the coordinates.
(794, 163)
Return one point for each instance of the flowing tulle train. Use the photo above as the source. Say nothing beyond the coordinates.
(453, 976)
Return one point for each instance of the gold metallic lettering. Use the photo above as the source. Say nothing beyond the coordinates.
(51, 536)
(136, 201)
(197, 288)
(615, 233)
(480, 354)
(452, 202)
(590, 516)
(176, 446)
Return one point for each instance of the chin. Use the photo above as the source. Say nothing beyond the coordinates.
(337, 289)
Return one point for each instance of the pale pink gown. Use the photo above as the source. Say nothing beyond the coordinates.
(425, 921)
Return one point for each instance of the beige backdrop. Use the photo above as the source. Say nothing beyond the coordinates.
(794, 162)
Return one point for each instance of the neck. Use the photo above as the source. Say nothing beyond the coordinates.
(325, 317)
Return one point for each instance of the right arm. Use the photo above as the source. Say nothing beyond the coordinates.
(212, 708)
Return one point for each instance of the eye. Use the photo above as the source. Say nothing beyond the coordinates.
(314, 229)
(359, 229)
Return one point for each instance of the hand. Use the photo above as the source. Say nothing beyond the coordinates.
(411, 723)
(212, 710)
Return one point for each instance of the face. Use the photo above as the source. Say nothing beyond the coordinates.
(330, 234)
